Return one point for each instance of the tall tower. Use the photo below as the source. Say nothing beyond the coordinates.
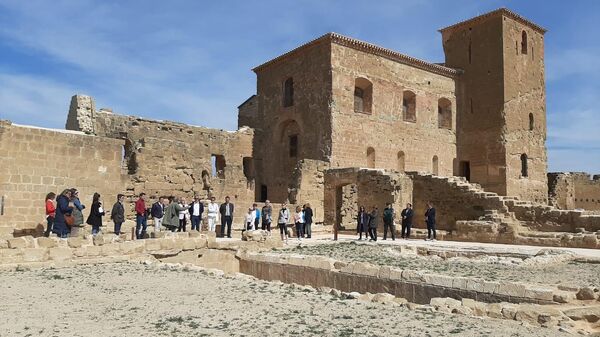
(501, 99)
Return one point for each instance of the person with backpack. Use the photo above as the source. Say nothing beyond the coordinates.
(158, 211)
(388, 221)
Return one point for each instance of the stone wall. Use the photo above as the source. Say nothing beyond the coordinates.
(169, 158)
(37, 161)
(398, 144)
(572, 190)
(308, 186)
(374, 188)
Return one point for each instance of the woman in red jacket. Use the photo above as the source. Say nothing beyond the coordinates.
(50, 212)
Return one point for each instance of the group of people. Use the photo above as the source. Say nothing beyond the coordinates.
(367, 222)
(64, 215)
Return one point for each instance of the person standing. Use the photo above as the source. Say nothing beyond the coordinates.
(158, 212)
(362, 223)
(373, 221)
(256, 216)
(78, 208)
(117, 214)
(430, 220)
(213, 213)
(196, 210)
(96, 214)
(63, 208)
(388, 221)
(50, 212)
(407, 216)
(282, 221)
(171, 217)
(299, 221)
(250, 217)
(308, 219)
(226, 211)
(182, 214)
(267, 216)
(140, 217)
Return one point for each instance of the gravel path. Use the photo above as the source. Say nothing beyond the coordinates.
(543, 270)
(139, 300)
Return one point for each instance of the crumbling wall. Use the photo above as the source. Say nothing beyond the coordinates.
(37, 161)
(573, 190)
(169, 158)
(308, 186)
(375, 188)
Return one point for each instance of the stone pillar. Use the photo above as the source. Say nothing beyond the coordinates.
(81, 114)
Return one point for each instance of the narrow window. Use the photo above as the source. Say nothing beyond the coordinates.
(363, 95)
(401, 161)
(444, 114)
(409, 106)
(471, 104)
(370, 157)
(434, 165)
(293, 146)
(469, 51)
(217, 163)
(524, 43)
(524, 172)
(288, 92)
(264, 193)
(531, 122)
(129, 157)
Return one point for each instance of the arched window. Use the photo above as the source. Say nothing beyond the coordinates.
(288, 92)
(401, 161)
(524, 172)
(444, 114)
(434, 165)
(409, 106)
(363, 95)
(370, 157)
(531, 122)
(524, 43)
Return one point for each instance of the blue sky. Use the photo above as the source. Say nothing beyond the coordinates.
(190, 61)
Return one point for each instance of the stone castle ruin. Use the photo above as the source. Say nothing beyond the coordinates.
(338, 123)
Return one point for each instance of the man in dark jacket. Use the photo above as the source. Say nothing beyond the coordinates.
(118, 213)
(158, 211)
(407, 216)
(373, 221)
(430, 220)
(226, 211)
(308, 219)
(196, 209)
(388, 221)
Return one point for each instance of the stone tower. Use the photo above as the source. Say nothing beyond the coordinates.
(81, 114)
(501, 99)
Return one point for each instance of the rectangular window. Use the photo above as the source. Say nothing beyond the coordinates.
(217, 163)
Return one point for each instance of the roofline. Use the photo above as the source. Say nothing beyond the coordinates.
(501, 11)
(368, 48)
(246, 101)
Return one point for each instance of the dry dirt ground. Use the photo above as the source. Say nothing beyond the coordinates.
(549, 269)
(150, 300)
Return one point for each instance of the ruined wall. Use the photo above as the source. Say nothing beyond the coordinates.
(308, 186)
(37, 161)
(384, 128)
(371, 188)
(168, 158)
(572, 190)
(307, 117)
